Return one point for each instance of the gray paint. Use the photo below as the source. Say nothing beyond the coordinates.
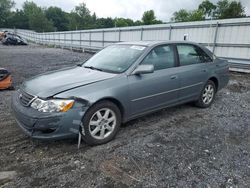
(136, 94)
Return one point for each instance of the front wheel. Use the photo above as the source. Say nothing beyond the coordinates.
(101, 123)
(207, 95)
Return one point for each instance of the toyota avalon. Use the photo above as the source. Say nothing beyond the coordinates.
(121, 82)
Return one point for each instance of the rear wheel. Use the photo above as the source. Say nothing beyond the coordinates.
(101, 123)
(207, 95)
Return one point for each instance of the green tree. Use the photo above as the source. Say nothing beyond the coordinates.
(58, 17)
(105, 23)
(122, 22)
(5, 11)
(37, 18)
(222, 10)
(93, 19)
(196, 15)
(229, 9)
(149, 18)
(187, 16)
(74, 21)
(207, 8)
(18, 19)
(138, 22)
(180, 16)
(82, 10)
(81, 18)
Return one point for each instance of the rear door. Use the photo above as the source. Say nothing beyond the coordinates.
(193, 70)
(157, 89)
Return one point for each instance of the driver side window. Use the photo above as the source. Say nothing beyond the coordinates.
(162, 57)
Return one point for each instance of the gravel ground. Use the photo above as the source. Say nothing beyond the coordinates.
(183, 146)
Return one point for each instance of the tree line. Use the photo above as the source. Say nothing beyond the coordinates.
(224, 9)
(41, 19)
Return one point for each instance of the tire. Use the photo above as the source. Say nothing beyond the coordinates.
(97, 129)
(207, 93)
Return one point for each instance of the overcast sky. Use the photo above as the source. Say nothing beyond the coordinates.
(127, 8)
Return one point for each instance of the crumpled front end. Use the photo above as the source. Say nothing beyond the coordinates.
(47, 126)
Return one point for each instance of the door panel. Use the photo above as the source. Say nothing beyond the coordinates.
(192, 80)
(150, 91)
(193, 71)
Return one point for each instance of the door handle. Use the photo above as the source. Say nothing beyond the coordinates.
(204, 70)
(174, 77)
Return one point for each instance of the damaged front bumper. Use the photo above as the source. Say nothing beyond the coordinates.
(48, 126)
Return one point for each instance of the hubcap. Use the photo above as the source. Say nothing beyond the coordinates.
(208, 94)
(102, 123)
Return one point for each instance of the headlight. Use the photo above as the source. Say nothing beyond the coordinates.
(54, 105)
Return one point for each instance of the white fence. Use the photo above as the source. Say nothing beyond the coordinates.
(228, 39)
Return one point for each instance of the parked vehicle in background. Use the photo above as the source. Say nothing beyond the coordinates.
(120, 83)
(2, 35)
(5, 79)
(13, 39)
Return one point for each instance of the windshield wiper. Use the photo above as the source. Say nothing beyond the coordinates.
(93, 68)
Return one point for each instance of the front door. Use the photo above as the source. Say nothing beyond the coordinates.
(157, 89)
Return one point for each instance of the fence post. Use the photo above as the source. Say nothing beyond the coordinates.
(71, 33)
(43, 39)
(119, 35)
(142, 33)
(46, 40)
(64, 39)
(49, 38)
(59, 39)
(90, 38)
(170, 32)
(54, 38)
(80, 39)
(102, 38)
(215, 36)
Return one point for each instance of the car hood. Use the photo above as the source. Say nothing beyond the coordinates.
(52, 83)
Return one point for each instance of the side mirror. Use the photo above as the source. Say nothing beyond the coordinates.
(144, 69)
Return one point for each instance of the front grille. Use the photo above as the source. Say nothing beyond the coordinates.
(25, 98)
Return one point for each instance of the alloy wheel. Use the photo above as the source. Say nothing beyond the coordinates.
(102, 123)
(208, 94)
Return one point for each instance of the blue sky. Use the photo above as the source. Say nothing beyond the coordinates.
(127, 8)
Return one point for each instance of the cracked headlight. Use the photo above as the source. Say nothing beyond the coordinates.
(54, 105)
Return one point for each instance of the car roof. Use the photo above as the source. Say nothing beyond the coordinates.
(155, 42)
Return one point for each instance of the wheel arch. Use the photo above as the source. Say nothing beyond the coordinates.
(216, 82)
(115, 101)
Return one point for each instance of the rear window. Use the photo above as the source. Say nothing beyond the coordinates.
(189, 55)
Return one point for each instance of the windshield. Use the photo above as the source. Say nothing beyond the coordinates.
(115, 58)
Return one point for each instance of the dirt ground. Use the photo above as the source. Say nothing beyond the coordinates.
(182, 146)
